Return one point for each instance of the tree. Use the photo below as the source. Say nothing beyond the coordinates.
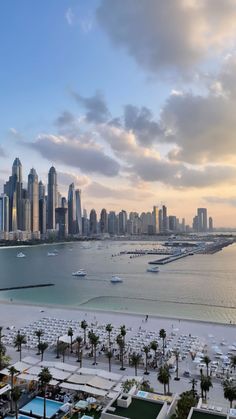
(146, 350)
(207, 361)
(19, 340)
(62, 348)
(79, 341)
(70, 333)
(84, 326)
(15, 396)
(193, 389)
(128, 384)
(184, 404)
(44, 379)
(42, 346)
(176, 354)
(205, 385)
(39, 333)
(13, 371)
(123, 332)
(94, 340)
(229, 391)
(162, 335)
(164, 376)
(109, 355)
(233, 362)
(120, 342)
(109, 328)
(145, 386)
(154, 347)
(135, 360)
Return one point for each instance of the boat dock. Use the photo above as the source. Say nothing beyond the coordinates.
(169, 259)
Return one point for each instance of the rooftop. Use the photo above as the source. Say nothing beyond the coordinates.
(139, 409)
(207, 415)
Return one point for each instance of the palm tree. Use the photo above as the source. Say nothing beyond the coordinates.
(84, 326)
(62, 348)
(19, 340)
(205, 385)
(79, 341)
(109, 355)
(162, 335)
(207, 361)
(39, 333)
(70, 333)
(109, 328)
(123, 332)
(135, 360)
(42, 346)
(176, 354)
(44, 379)
(233, 362)
(146, 350)
(94, 339)
(164, 377)
(12, 370)
(194, 383)
(120, 342)
(15, 397)
(229, 391)
(154, 347)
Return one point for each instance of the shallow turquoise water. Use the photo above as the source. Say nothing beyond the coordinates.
(197, 287)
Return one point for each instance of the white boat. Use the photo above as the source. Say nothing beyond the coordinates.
(20, 255)
(115, 279)
(81, 272)
(52, 254)
(154, 269)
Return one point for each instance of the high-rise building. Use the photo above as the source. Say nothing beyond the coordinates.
(122, 222)
(26, 211)
(112, 223)
(13, 189)
(4, 213)
(164, 219)
(103, 221)
(155, 217)
(71, 210)
(78, 212)
(210, 224)
(61, 222)
(52, 198)
(42, 209)
(172, 223)
(93, 222)
(202, 219)
(33, 194)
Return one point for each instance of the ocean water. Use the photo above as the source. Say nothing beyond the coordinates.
(200, 287)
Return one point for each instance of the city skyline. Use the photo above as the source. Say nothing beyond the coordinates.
(135, 116)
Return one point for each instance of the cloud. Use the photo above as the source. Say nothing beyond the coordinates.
(141, 122)
(89, 158)
(224, 201)
(66, 178)
(70, 17)
(64, 119)
(2, 152)
(97, 190)
(95, 107)
(169, 34)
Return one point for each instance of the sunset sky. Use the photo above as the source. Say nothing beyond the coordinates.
(133, 100)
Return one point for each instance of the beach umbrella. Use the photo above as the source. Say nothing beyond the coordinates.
(91, 400)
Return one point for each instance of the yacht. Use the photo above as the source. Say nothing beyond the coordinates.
(154, 269)
(115, 279)
(81, 272)
(52, 254)
(20, 255)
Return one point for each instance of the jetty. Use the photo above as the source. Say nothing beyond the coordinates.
(22, 287)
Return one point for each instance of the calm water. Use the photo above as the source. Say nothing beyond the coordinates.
(197, 287)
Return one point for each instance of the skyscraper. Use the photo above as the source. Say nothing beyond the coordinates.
(103, 221)
(78, 212)
(93, 222)
(202, 219)
(52, 198)
(4, 213)
(71, 209)
(13, 189)
(33, 194)
(42, 209)
(155, 220)
(122, 222)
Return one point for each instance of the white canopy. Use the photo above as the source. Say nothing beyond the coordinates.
(79, 379)
(5, 389)
(83, 388)
(58, 374)
(59, 365)
(101, 383)
(31, 360)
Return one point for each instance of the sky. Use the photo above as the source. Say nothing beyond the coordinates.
(132, 101)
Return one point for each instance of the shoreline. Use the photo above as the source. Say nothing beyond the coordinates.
(101, 312)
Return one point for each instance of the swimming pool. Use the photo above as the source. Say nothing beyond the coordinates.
(36, 407)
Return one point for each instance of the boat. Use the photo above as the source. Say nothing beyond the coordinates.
(20, 255)
(154, 269)
(80, 272)
(52, 254)
(115, 279)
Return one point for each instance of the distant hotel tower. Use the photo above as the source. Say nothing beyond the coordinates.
(13, 189)
(33, 194)
(52, 198)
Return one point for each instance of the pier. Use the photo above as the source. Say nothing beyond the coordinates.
(26, 286)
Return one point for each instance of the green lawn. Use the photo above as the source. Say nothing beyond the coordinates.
(139, 409)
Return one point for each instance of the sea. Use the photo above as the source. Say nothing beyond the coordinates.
(198, 287)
